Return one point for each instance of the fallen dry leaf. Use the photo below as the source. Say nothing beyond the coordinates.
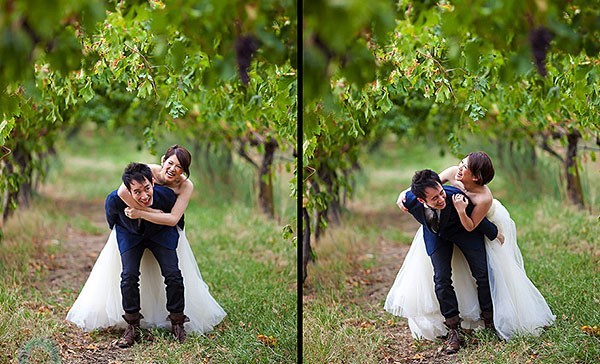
(267, 340)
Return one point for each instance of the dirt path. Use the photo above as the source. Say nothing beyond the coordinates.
(68, 271)
(400, 346)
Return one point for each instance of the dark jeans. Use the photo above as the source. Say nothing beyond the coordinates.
(169, 267)
(442, 276)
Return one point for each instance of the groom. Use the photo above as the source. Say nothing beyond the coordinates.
(133, 237)
(430, 203)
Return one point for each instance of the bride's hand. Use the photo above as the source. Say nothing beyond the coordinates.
(460, 202)
(401, 200)
(500, 238)
(132, 213)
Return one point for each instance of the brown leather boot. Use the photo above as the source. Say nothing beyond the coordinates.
(177, 321)
(132, 332)
(453, 342)
(488, 320)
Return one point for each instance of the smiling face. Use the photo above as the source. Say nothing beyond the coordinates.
(464, 173)
(171, 169)
(142, 192)
(435, 197)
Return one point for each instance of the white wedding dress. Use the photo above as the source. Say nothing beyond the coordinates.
(519, 308)
(99, 303)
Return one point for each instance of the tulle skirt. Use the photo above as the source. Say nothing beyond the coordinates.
(99, 303)
(519, 308)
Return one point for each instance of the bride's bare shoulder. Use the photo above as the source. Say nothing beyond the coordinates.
(184, 187)
(187, 185)
(484, 196)
(488, 193)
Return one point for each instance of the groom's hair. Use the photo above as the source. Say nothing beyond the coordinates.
(423, 179)
(138, 172)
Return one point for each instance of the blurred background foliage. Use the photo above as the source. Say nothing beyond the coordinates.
(521, 76)
(219, 75)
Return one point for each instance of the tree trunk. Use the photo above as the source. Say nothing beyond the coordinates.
(574, 190)
(347, 173)
(208, 164)
(533, 156)
(23, 192)
(228, 166)
(334, 207)
(265, 179)
(533, 160)
(306, 248)
(500, 150)
(320, 214)
(11, 196)
(513, 153)
(332, 213)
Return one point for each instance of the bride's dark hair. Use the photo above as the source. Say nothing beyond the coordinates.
(481, 167)
(184, 156)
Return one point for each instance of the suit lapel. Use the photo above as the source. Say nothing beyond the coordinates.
(423, 220)
(421, 215)
(445, 214)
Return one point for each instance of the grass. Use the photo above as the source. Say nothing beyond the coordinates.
(250, 270)
(344, 320)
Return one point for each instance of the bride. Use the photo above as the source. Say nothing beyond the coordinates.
(519, 308)
(99, 303)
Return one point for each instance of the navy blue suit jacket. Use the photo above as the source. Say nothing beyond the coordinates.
(131, 232)
(451, 229)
